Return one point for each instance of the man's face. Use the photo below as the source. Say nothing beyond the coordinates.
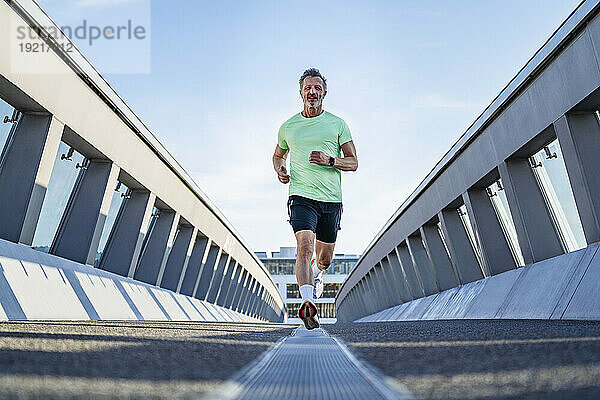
(313, 91)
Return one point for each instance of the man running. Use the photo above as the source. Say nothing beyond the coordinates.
(314, 138)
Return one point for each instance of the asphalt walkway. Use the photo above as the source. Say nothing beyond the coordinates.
(496, 359)
(166, 360)
(126, 360)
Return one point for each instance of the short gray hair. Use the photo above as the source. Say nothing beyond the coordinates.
(312, 72)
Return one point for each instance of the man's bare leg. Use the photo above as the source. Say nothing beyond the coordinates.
(324, 254)
(305, 241)
(324, 257)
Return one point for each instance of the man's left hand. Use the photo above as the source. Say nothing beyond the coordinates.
(320, 158)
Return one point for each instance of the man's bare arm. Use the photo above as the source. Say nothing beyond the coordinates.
(279, 164)
(348, 163)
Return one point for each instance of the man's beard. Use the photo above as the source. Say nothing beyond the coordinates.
(318, 103)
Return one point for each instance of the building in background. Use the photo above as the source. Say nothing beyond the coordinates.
(281, 266)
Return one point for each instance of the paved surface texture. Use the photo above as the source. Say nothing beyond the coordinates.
(496, 359)
(308, 365)
(433, 359)
(126, 360)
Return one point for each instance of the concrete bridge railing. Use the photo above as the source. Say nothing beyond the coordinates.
(82, 178)
(520, 188)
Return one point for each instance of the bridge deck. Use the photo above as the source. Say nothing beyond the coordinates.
(483, 359)
(497, 359)
(126, 360)
(308, 365)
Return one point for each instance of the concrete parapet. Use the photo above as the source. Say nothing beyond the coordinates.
(40, 286)
(563, 287)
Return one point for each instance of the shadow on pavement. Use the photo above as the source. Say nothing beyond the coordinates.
(483, 359)
(125, 359)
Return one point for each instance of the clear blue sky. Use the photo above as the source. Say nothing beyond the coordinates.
(407, 76)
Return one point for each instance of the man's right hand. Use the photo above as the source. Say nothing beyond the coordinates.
(282, 175)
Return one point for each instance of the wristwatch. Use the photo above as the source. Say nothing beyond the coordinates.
(331, 161)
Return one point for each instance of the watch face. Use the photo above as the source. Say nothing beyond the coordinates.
(331, 161)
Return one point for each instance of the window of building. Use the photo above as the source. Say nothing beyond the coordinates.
(153, 218)
(67, 166)
(343, 266)
(325, 310)
(443, 238)
(550, 171)
(7, 113)
(292, 309)
(464, 217)
(151, 224)
(285, 266)
(120, 194)
(292, 291)
(500, 204)
(280, 267)
(330, 290)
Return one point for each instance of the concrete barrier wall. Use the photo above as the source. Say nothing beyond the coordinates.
(40, 286)
(563, 287)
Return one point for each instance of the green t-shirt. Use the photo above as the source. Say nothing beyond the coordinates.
(326, 133)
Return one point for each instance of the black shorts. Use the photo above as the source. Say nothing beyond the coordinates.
(323, 218)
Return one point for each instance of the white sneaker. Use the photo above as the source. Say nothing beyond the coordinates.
(318, 279)
(318, 285)
(308, 314)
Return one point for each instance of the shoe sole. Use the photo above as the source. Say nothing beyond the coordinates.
(307, 314)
